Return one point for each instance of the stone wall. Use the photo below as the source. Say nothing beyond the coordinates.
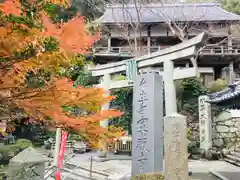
(193, 125)
(226, 130)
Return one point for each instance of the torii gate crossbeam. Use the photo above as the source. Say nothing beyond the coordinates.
(185, 50)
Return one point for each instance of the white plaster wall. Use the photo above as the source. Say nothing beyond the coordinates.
(119, 31)
(160, 30)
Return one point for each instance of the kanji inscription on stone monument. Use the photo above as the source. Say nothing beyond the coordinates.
(205, 123)
(175, 147)
(147, 127)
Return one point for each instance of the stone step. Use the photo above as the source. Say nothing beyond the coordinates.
(69, 174)
(230, 174)
(234, 158)
(49, 172)
(85, 172)
(232, 162)
(237, 150)
(235, 153)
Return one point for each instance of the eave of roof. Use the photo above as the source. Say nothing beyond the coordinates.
(225, 97)
(157, 13)
(229, 93)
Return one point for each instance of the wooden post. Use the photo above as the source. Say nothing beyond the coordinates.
(231, 72)
(231, 64)
(149, 45)
(57, 146)
(109, 43)
(91, 167)
(149, 39)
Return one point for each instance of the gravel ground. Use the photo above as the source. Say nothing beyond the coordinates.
(199, 168)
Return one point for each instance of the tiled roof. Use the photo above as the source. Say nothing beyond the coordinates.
(156, 13)
(229, 93)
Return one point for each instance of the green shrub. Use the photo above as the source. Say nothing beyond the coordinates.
(152, 176)
(218, 85)
(188, 133)
(22, 144)
(76, 137)
(8, 151)
(118, 77)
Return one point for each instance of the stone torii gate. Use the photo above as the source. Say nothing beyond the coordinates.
(175, 127)
(167, 57)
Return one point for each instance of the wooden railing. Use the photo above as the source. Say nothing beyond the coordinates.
(124, 144)
(221, 50)
(128, 51)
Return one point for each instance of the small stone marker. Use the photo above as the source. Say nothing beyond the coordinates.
(175, 147)
(205, 123)
(147, 127)
(28, 164)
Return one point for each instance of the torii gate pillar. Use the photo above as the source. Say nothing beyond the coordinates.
(170, 90)
(105, 82)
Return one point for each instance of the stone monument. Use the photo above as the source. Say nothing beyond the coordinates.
(147, 127)
(205, 123)
(28, 164)
(175, 147)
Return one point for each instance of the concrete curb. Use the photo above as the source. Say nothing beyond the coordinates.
(212, 171)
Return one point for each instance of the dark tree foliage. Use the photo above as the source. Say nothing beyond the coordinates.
(123, 102)
(59, 13)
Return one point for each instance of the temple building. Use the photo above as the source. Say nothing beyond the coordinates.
(129, 31)
(146, 37)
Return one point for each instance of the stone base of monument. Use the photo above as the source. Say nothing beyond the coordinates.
(109, 157)
(213, 154)
(101, 154)
(119, 177)
(196, 154)
(99, 159)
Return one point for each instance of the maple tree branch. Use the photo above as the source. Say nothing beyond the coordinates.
(46, 103)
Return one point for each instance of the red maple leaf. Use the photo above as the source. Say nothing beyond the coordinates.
(11, 7)
(72, 35)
